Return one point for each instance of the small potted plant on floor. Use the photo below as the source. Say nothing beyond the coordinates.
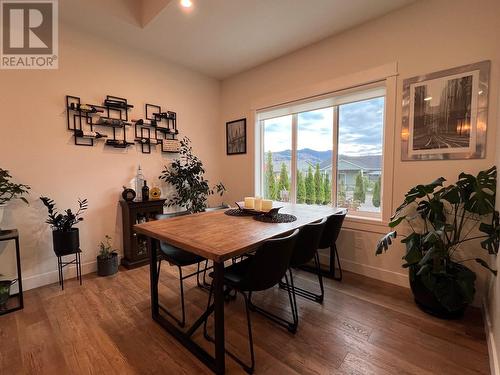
(10, 191)
(107, 260)
(4, 292)
(441, 219)
(65, 236)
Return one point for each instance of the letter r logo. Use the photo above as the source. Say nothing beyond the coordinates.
(27, 27)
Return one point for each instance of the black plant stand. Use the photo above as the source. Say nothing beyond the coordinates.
(77, 262)
(13, 235)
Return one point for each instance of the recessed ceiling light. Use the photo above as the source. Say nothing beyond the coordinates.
(428, 98)
(186, 3)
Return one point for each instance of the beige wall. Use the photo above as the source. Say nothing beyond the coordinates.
(493, 302)
(422, 38)
(37, 149)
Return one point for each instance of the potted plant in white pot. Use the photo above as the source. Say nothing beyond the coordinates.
(66, 238)
(107, 260)
(9, 191)
(441, 220)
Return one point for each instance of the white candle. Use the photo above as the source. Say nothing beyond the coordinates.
(267, 204)
(250, 202)
(258, 204)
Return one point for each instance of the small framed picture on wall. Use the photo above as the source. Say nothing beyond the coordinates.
(445, 114)
(236, 137)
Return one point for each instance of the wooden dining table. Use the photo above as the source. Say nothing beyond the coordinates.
(217, 237)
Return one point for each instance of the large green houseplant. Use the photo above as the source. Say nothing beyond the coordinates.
(9, 191)
(186, 175)
(441, 220)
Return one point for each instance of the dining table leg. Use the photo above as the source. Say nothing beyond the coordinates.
(220, 351)
(216, 363)
(153, 275)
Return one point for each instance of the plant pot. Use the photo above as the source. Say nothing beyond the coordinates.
(2, 211)
(66, 243)
(4, 293)
(107, 266)
(428, 300)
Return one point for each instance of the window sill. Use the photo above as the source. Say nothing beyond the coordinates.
(366, 224)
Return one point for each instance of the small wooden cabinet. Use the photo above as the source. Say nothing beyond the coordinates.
(135, 249)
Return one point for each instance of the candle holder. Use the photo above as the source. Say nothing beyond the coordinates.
(273, 212)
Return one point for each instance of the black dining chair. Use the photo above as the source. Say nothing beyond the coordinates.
(328, 241)
(259, 272)
(182, 258)
(179, 258)
(306, 250)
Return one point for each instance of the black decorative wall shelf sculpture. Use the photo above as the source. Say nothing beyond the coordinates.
(159, 128)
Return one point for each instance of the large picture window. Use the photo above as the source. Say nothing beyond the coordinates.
(327, 150)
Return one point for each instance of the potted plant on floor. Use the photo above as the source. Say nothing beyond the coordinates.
(65, 236)
(9, 191)
(441, 220)
(186, 175)
(107, 260)
(4, 293)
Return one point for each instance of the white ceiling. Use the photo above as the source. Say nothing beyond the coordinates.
(221, 37)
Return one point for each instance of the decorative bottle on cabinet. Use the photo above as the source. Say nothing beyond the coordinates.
(139, 182)
(145, 192)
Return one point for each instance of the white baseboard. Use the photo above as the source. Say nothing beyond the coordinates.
(51, 277)
(392, 277)
(490, 339)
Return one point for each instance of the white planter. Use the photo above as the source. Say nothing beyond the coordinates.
(2, 210)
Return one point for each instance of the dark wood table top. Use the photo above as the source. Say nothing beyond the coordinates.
(219, 237)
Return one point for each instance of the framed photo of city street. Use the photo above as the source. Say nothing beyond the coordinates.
(236, 137)
(445, 114)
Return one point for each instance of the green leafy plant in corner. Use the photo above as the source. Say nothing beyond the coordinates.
(106, 251)
(441, 219)
(10, 190)
(186, 175)
(66, 221)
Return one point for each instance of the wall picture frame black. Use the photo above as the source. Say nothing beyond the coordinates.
(236, 137)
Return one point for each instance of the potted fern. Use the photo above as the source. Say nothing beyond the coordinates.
(66, 238)
(441, 220)
(107, 260)
(186, 175)
(10, 191)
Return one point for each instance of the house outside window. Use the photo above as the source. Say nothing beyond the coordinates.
(325, 151)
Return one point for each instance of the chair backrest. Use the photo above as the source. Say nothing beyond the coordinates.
(332, 229)
(171, 215)
(270, 263)
(223, 206)
(307, 243)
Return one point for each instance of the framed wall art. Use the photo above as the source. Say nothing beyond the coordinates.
(236, 137)
(445, 114)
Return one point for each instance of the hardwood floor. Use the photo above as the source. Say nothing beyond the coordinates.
(364, 327)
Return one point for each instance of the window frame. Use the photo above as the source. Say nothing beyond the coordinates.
(389, 85)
